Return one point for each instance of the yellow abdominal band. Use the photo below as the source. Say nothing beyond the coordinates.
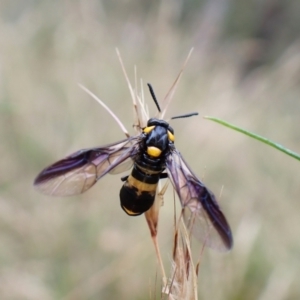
(129, 212)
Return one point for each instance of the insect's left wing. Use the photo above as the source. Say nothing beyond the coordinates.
(202, 213)
(79, 171)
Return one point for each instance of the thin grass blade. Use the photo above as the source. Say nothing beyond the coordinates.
(257, 137)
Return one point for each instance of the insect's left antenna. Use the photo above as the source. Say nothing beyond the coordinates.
(153, 96)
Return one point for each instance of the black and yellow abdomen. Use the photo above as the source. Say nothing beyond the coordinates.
(138, 192)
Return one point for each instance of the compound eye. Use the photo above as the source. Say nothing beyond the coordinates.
(171, 136)
(148, 129)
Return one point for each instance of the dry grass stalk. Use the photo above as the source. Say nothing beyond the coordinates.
(183, 284)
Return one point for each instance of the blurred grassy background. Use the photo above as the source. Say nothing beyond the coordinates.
(245, 69)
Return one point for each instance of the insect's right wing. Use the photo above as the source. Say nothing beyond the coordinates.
(81, 170)
(202, 213)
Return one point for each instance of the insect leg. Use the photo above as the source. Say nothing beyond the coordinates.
(124, 178)
(163, 175)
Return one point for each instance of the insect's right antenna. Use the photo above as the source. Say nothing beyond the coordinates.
(153, 96)
(185, 116)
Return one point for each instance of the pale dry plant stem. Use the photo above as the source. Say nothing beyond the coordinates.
(183, 284)
(168, 98)
(107, 109)
(184, 276)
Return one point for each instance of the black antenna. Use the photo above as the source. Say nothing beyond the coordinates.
(185, 116)
(153, 96)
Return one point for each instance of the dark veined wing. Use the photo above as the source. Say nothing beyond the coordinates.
(80, 171)
(202, 213)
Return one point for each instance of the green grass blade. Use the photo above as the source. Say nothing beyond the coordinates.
(257, 137)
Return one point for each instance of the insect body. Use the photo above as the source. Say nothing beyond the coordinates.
(138, 192)
(150, 153)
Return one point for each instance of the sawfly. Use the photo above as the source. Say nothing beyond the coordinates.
(152, 156)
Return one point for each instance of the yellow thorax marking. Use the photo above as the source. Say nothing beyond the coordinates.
(171, 136)
(148, 129)
(153, 151)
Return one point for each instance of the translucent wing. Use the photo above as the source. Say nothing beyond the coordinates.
(80, 171)
(202, 213)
